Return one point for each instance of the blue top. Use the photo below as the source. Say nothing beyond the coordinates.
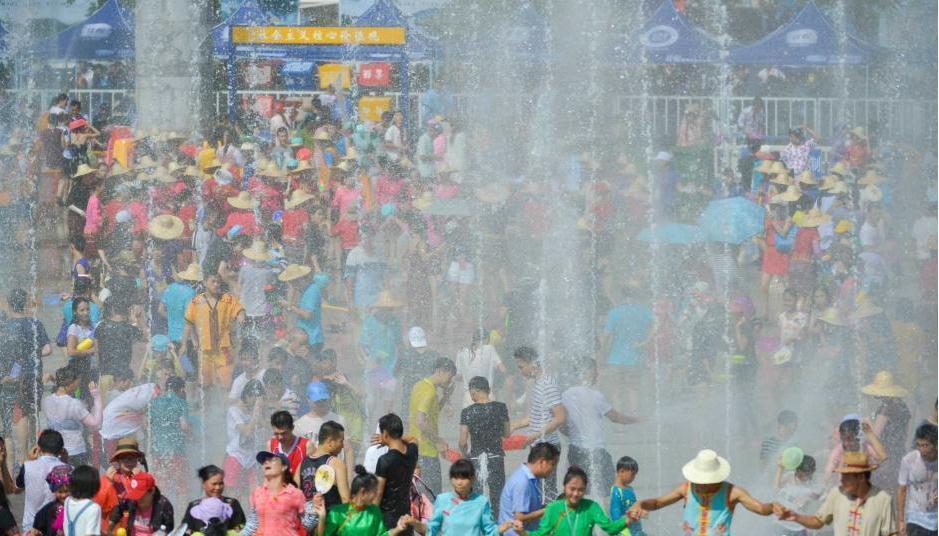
(380, 341)
(176, 299)
(621, 500)
(94, 313)
(630, 325)
(522, 493)
(470, 517)
(708, 513)
(312, 300)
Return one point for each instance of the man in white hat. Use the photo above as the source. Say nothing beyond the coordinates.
(415, 362)
(709, 499)
(856, 508)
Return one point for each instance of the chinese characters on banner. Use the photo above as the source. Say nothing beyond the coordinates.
(375, 74)
(371, 108)
(315, 35)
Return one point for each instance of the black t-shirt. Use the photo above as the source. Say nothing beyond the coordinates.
(308, 469)
(115, 345)
(7, 521)
(21, 342)
(486, 422)
(398, 470)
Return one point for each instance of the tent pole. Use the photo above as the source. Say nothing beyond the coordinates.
(232, 80)
(405, 90)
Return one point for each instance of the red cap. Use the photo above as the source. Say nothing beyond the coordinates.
(139, 485)
(77, 123)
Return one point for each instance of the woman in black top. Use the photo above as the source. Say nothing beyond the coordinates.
(213, 484)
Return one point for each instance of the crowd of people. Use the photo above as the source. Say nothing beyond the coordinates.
(262, 299)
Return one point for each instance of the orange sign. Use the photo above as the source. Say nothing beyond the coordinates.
(330, 72)
(316, 35)
(371, 108)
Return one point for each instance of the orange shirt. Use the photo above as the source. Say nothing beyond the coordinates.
(106, 498)
(213, 335)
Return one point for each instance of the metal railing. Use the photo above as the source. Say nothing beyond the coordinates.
(901, 120)
(35, 101)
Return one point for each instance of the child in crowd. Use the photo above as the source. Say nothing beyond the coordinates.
(786, 424)
(49, 520)
(622, 495)
(80, 514)
(797, 491)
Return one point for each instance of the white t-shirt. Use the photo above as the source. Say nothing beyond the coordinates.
(308, 426)
(393, 135)
(483, 362)
(238, 384)
(239, 446)
(586, 409)
(64, 414)
(37, 491)
(919, 477)
(371, 457)
(85, 514)
(125, 415)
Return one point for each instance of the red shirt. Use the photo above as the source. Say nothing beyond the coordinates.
(295, 453)
(802, 248)
(187, 213)
(348, 233)
(293, 222)
(249, 225)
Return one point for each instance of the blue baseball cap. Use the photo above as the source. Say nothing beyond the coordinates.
(159, 343)
(317, 391)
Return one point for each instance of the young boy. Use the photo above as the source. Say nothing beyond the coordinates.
(285, 442)
(797, 491)
(622, 495)
(786, 423)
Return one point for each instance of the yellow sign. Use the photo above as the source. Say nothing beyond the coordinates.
(330, 72)
(316, 35)
(371, 108)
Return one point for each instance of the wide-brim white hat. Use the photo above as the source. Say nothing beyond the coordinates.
(706, 468)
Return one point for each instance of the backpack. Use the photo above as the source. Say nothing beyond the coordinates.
(785, 243)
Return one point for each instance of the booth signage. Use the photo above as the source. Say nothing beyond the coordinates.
(316, 35)
(374, 74)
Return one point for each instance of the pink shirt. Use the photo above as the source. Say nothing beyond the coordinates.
(93, 218)
(345, 196)
(280, 513)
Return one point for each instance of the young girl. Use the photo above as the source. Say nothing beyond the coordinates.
(360, 516)
(463, 511)
(80, 353)
(572, 514)
(49, 520)
(81, 516)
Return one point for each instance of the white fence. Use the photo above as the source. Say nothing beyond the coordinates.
(902, 120)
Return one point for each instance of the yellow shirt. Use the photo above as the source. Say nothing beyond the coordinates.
(424, 400)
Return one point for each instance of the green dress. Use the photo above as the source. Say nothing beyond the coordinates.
(561, 520)
(345, 520)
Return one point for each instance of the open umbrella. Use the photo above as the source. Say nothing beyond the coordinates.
(672, 233)
(733, 220)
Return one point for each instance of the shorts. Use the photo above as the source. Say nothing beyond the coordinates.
(217, 367)
(236, 475)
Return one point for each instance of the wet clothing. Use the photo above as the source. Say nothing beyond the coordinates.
(708, 514)
(347, 520)
(468, 517)
(559, 519)
(308, 469)
(397, 469)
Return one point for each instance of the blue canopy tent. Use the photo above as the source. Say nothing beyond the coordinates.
(107, 34)
(809, 39)
(668, 37)
(248, 14)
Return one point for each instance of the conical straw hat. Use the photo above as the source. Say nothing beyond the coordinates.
(297, 198)
(806, 177)
(792, 194)
(257, 251)
(883, 386)
(193, 272)
(243, 201)
(83, 169)
(166, 227)
(294, 271)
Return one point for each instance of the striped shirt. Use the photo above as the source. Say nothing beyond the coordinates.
(545, 395)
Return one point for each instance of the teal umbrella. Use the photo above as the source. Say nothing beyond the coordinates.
(733, 220)
(672, 233)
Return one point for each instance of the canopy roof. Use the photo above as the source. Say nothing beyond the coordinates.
(810, 38)
(668, 37)
(106, 35)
